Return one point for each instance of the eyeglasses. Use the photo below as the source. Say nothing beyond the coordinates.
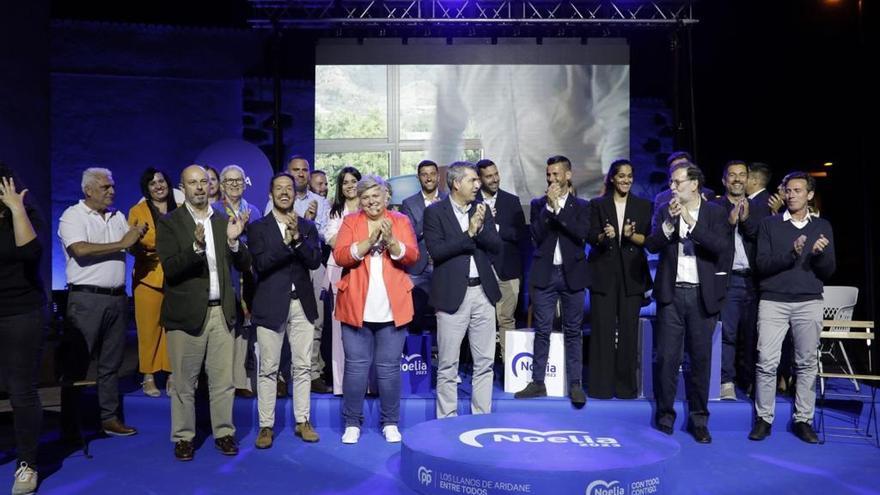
(233, 182)
(675, 183)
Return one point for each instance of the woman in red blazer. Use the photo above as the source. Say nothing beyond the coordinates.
(374, 304)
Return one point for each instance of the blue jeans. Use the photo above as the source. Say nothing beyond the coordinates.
(381, 343)
(739, 320)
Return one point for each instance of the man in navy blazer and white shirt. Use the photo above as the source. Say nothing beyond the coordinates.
(284, 247)
(461, 237)
(510, 222)
(414, 208)
(559, 226)
(694, 241)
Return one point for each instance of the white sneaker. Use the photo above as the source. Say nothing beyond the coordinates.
(25, 480)
(728, 392)
(351, 435)
(392, 434)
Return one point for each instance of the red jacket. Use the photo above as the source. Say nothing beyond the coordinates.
(352, 288)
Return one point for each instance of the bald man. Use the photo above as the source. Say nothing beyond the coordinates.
(197, 245)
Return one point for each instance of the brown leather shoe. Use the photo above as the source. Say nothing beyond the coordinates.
(244, 393)
(281, 388)
(116, 428)
(226, 445)
(184, 451)
(264, 439)
(305, 431)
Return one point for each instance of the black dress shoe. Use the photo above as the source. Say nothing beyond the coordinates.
(805, 432)
(760, 430)
(244, 393)
(577, 396)
(184, 451)
(281, 388)
(226, 445)
(319, 387)
(701, 434)
(664, 428)
(532, 390)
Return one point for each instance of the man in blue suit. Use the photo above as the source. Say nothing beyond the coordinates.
(284, 247)
(510, 222)
(414, 208)
(559, 227)
(694, 241)
(461, 237)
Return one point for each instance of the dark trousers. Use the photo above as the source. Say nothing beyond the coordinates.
(21, 346)
(683, 324)
(544, 309)
(739, 330)
(97, 324)
(614, 338)
(421, 308)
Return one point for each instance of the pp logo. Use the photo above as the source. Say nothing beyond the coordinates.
(424, 475)
(523, 362)
(413, 364)
(602, 487)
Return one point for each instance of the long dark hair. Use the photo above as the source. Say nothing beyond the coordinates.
(612, 171)
(339, 200)
(146, 178)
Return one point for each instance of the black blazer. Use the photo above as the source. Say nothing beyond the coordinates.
(606, 254)
(278, 265)
(748, 230)
(186, 273)
(414, 208)
(451, 249)
(511, 222)
(570, 226)
(712, 246)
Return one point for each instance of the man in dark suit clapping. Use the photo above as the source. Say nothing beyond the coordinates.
(285, 247)
(694, 240)
(559, 226)
(461, 236)
(197, 245)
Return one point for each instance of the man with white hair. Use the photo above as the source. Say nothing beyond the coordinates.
(233, 182)
(95, 236)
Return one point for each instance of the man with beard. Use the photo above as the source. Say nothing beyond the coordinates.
(511, 225)
(414, 208)
(559, 225)
(318, 183)
(692, 237)
(739, 313)
(199, 309)
(312, 207)
(461, 236)
(284, 248)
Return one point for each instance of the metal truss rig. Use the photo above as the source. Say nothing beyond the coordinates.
(346, 15)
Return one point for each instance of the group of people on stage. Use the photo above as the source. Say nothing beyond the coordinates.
(214, 276)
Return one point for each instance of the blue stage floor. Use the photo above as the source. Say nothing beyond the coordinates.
(144, 464)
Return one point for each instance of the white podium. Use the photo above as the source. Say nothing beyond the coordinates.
(518, 362)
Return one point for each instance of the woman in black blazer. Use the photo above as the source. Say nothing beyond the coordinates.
(619, 223)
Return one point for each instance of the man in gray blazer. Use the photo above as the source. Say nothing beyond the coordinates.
(199, 309)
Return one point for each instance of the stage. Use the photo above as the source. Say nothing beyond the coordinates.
(144, 464)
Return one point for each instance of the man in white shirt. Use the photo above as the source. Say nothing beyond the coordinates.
(694, 241)
(95, 237)
(197, 245)
(312, 207)
(461, 237)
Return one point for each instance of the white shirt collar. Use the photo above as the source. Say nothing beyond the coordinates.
(756, 193)
(192, 212)
(786, 217)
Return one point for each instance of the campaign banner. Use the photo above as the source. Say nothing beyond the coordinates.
(518, 356)
(415, 367)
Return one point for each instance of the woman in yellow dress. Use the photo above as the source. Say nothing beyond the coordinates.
(148, 277)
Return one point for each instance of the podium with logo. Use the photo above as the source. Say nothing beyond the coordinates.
(415, 367)
(518, 350)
